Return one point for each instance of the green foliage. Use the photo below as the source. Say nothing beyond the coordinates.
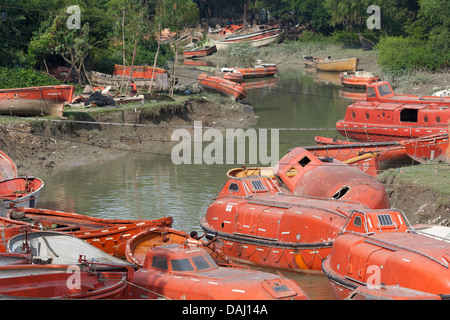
(400, 54)
(242, 54)
(20, 78)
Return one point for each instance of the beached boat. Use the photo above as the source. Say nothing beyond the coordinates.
(57, 281)
(226, 87)
(200, 52)
(188, 273)
(138, 71)
(23, 192)
(260, 70)
(8, 169)
(357, 79)
(139, 244)
(327, 64)
(380, 247)
(387, 116)
(109, 235)
(59, 248)
(231, 29)
(290, 222)
(256, 39)
(36, 101)
(116, 82)
(230, 74)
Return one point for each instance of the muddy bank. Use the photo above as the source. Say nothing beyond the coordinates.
(42, 145)
(420, 191)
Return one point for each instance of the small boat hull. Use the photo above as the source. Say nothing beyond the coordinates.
(138, 71)
(256, 39)
(36, 101)
(357, 79)
(98, 79)
(200, 52)
(226, 87)
(329, 65)
(258, 71)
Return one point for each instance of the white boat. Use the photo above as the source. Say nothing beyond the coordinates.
(256, 39)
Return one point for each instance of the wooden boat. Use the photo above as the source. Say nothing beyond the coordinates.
(200, 52)
(226, 87)
(257, 71)
(36, 101)
(109, 235)
(183, 272)
(383, 292)
(256, 39)
(58, 282)
(231, 29)
(290, 222)
(8, 169)
(380, 247)
(24, 192)
(99, 79)
(138, 71)
(357, 79)
(59, 248)
(396, 119)
(327, 64)
(139, 244)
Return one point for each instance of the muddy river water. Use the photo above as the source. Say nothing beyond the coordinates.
(148, 186)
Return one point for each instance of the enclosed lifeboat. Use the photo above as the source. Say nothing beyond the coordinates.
(188, 273)
(292, 226)
(379, 247)
(388, 116)
(301, 172)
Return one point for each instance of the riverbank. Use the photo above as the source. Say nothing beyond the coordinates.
(40, 145)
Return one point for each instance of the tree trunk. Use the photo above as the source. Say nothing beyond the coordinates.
(175, 63)
(244, 22)
(154, 63)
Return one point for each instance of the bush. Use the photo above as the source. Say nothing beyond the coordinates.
(400, 54)
(242, 54)
(22, 78)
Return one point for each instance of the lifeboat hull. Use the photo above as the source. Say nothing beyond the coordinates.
(23, 192)
(108, 235)
(226, 87)
(36, 101)
(200, 52)
(387, 254)
(258, 71)
(138, 71)
(358, 79)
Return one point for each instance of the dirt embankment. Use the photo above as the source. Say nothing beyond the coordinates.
(38, 146)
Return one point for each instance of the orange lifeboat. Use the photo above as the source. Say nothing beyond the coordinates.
(299, 171)
(261, 70)
(138, 71)
(227, 87)
(357, 79)
(379, 247)
(385, 115)
(182, 272)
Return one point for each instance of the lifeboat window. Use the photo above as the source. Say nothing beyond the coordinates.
(182, 265)
(385, 220)
(438, 119)
(408, 115)
(258, 185)
(425, 119)
(384, 90)
(357, 222)
(371, 92)
(201, 263)
(233, 187)
(341, 192)
(304, 161)
(159, 263)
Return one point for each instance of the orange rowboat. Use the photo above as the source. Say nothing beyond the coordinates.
(189, 273)
(380, 247)
(10, 228)
(138, 71)
(24, 192)
(226, 87)
(109, 235)
(199, 52)
(261, 70)
(36, 101)
(8, 169)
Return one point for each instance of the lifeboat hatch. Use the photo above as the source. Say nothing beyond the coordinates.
(341, 192)
(304, 161)
(408, 115)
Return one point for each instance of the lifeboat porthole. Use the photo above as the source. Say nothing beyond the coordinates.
(438, 119)
(353, 115)
(367, 115)
(425, 119)
(297, 236)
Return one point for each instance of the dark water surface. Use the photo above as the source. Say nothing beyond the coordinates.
(150, 186)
